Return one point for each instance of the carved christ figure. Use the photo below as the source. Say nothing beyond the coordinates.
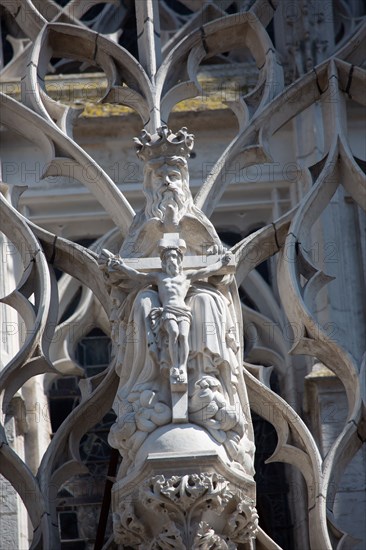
(175, 320)
(173, 285)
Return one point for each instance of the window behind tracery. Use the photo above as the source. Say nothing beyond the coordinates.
(80, 499)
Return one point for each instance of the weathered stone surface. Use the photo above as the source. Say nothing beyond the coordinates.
(288, 157)
(180, 335)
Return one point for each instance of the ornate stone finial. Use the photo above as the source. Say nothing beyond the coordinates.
(164, 144)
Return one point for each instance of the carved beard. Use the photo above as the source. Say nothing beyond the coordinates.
(170, 205)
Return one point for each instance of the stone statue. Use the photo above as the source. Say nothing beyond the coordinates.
(173, 284)
(169, 204)
(176, 323)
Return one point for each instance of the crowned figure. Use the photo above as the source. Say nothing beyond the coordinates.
(177, 318)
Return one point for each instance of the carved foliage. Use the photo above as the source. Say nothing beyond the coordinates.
(185, 492)
(243, 523)
(207, 539)
(171, 513)
(260, 116)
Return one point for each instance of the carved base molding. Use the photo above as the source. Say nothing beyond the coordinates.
(179, 503)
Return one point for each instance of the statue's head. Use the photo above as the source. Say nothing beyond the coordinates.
(166, 177)
(172, 260)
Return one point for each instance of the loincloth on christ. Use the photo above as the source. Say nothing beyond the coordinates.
(159, 315)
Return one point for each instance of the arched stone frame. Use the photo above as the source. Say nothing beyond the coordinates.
(325, 175)
(267, 349)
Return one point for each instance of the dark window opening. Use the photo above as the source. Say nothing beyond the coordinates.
(93, 352)
(231, 9)
(178, 7)
(128, 38)
(79, 499)
(340, 33)
(229, 237)
(272, 489)
(246, 300)
(93, 12)
(68, 525)
(72, 306)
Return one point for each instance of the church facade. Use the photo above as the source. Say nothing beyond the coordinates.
(249, 158)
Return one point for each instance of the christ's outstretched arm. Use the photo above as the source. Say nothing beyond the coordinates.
(115, 264)
(194, 275)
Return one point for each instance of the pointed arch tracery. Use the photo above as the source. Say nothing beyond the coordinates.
(262, 112)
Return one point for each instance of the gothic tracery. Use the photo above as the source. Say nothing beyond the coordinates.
(311, 76)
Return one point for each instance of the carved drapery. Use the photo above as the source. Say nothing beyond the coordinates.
(153, 95)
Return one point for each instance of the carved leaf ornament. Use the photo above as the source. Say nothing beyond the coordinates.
(260, 114)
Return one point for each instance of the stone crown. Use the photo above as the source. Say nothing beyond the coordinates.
(164, 144)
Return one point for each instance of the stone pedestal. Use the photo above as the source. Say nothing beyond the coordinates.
(183, 494)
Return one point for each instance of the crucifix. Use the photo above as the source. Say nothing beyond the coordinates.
(173, 278)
